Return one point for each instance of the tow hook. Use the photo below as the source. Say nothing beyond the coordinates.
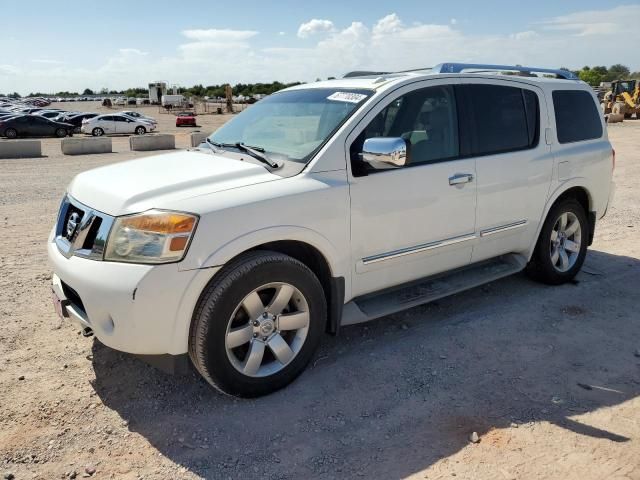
(87, 332)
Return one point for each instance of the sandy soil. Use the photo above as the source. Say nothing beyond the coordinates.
(549, 378)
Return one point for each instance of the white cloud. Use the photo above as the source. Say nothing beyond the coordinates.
(618, 20)
(9, 70)
(219, 35)
(281, 33)
(47, 61)
(453, 21)
(133, 52)
(388, 25)
(213, 56)
(528, 35)
(315, 26)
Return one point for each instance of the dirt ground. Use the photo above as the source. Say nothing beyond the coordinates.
(548, 377)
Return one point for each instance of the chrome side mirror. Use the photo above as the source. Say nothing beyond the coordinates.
(382, 152)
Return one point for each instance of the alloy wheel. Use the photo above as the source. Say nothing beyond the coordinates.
(565, 243)
(267, 329)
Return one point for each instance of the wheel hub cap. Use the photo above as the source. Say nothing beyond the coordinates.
(265, 325)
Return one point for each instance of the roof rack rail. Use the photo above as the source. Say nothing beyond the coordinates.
(459, 67)
(363, 73)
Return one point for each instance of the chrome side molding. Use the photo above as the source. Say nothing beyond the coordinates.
(503, 228)
(417, 249)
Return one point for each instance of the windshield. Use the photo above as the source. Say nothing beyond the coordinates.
(292, 124)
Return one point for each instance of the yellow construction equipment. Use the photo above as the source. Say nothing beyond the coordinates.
(623, 98)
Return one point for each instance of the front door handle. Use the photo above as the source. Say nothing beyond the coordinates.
(460, 178)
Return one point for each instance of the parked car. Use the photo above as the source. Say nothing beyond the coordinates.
(186, 119)
(76, 119)
(138, 116)
(329, 204)
(52, 114)
(113, 124)
(33, 126)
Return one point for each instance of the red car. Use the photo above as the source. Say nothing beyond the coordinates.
(186, 119)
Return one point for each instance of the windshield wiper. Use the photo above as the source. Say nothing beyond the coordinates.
(255, 152)
(212, 145)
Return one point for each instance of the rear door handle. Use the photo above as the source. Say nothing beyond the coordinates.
(460, 178)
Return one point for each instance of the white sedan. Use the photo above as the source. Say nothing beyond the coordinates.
(115, 123)
(138, 116)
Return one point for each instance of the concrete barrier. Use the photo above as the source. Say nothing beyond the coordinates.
(81, 146)
(20, 149)
(198, 137)
(152, 142)
(615, 117)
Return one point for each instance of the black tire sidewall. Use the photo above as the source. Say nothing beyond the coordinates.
(64, 132)
(141, 130)
(97, 132)
(6, 133)
(547, 272)
(218, 307)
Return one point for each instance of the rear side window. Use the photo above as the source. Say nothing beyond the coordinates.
(577, 117)
(501, 119)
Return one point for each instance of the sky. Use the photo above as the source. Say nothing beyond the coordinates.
(129, 44)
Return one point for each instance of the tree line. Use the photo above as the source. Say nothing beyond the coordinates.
(598, 74)
(591, 75)
(245, 89)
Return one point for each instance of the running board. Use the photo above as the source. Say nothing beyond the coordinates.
(386, 302)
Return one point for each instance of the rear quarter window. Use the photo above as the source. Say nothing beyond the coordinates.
(577, 116)
(502, 118)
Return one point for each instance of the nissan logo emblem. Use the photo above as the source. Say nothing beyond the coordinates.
(72, 224)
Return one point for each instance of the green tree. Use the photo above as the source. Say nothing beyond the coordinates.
(618, 72)
(87, 91)
(590, 76)
(14, 95)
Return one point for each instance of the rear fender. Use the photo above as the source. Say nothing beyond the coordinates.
(557, 193)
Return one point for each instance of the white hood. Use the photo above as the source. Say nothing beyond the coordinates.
(158, 181)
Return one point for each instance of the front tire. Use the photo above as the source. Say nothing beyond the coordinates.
(141, 130)
(257, 324)
(61, 133)
(97, 132)
(562, 245)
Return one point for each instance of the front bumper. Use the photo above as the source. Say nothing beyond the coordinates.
(139, 309)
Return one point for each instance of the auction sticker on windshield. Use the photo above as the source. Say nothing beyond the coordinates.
(347, 97)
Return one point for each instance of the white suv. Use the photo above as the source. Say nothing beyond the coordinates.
(329, 204)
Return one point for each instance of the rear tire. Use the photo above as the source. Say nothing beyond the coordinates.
(97, 132)
(11, 133)
(251, 297)
(562, 245)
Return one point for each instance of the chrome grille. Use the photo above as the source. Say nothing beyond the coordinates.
(81, 231)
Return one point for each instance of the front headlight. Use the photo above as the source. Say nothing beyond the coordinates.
(154, 236)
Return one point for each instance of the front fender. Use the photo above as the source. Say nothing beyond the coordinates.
(235, 247)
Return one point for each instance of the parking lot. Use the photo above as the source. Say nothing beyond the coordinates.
(548, 377)
(166, 124)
